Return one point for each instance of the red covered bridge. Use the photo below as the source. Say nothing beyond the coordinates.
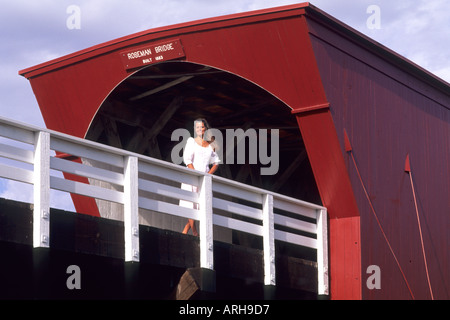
(349, 111)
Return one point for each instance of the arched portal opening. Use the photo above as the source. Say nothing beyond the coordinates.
(143, 111)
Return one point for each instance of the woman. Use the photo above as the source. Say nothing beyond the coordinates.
(198, 154)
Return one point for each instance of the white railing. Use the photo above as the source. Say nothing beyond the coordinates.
(222, 202)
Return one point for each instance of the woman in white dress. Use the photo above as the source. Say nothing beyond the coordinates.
(198, 154)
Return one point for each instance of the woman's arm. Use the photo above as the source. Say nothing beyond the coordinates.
(213, 168)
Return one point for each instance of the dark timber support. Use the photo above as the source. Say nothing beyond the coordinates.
(196, 283)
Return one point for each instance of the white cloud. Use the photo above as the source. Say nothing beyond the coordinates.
(417, 30)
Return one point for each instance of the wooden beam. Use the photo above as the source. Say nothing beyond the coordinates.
(136, 140)
(167, 76)
(112, 134)
(187, 287)
(95, 130)
(160, 123)
(287, 174)
(161, 88)
(130, 115)
(153, 149)
(243, 173)
(194, 282)
(245, 111)
(256, 176)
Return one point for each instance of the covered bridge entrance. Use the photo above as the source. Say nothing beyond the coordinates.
(250, 71)
(293, 70)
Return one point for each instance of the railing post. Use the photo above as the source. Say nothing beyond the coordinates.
(131, 209)
(268, 240)
(41, 190)
(322, 252)
(206, 223)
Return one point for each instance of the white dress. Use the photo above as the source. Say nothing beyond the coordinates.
(201, 158)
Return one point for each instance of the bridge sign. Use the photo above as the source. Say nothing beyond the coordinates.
(153, 53)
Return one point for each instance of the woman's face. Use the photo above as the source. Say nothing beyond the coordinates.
(200, 128)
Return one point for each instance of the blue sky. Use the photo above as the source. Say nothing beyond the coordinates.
(35, 31)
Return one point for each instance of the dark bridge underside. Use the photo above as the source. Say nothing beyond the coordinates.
(96, 245)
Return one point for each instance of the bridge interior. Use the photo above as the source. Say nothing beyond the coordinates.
(141, 113)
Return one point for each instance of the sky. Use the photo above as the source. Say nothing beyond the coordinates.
(36, 31)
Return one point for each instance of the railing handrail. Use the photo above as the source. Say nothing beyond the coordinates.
(129, 174)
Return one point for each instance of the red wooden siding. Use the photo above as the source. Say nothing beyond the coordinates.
(345, 245)
(332, 180)
(389, 113)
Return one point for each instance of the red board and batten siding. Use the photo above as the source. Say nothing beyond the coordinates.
(388, 113)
